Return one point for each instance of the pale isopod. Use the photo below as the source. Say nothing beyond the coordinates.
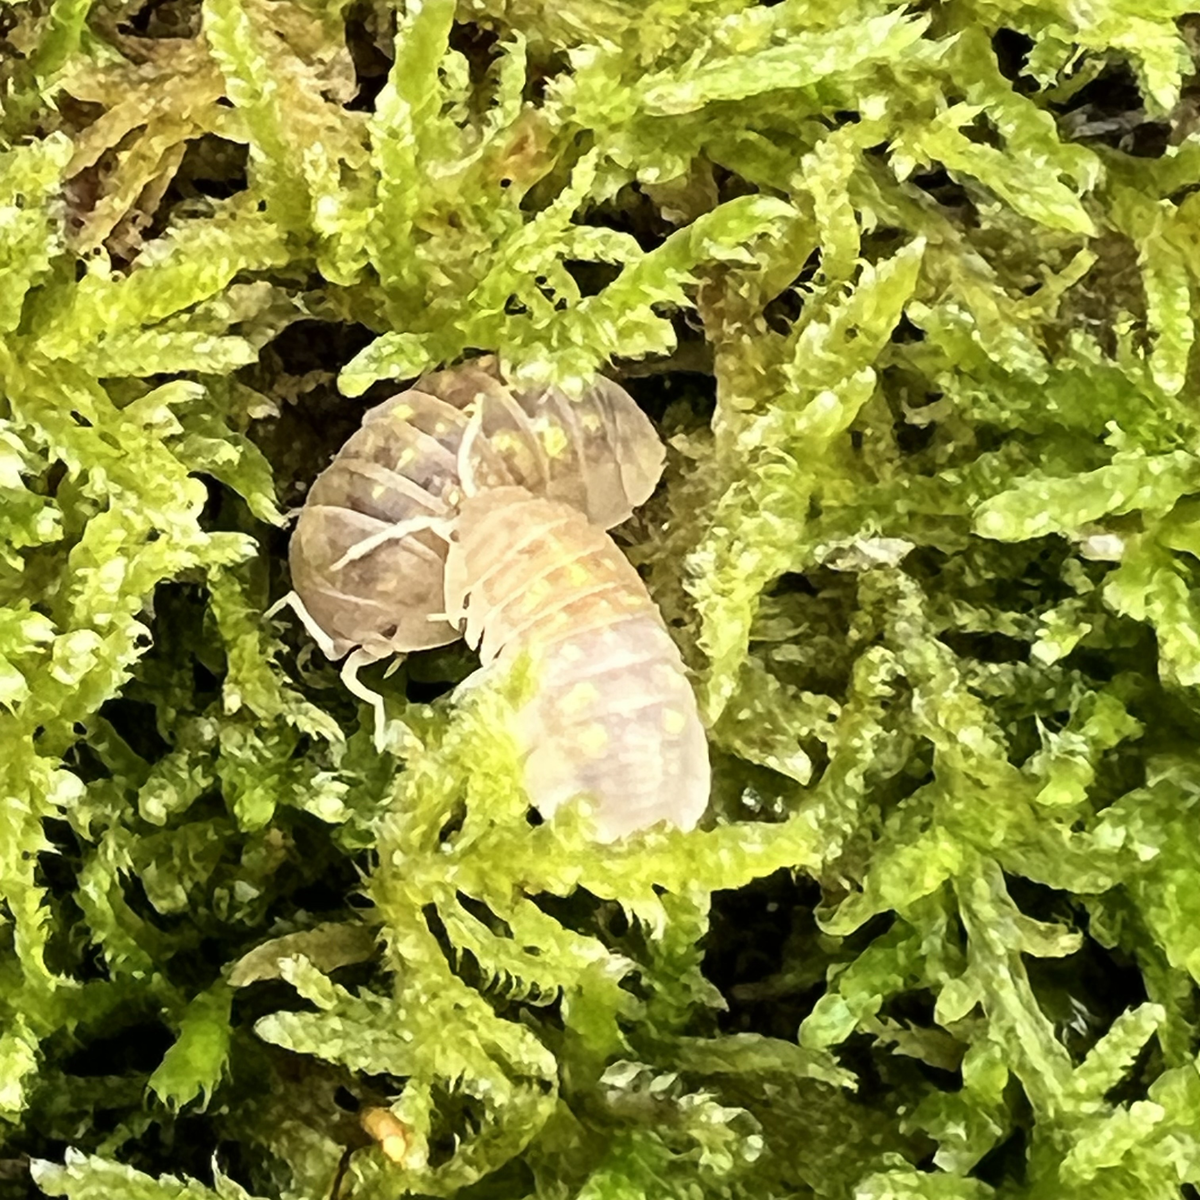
(613, 716)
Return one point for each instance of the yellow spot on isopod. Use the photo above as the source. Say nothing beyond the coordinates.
(402, 412)
(594, 739)
(577, 574)
(591, 422)
(571, 653)
(406, 456)
(537, 595)
(554, 439)
(673, 721)
(579, 697)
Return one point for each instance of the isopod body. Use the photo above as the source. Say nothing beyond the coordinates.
(465, 507)
(366, 556)
(613, 716)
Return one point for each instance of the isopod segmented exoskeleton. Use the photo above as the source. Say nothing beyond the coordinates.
(365, 556)
(467, 506)
(613, 715)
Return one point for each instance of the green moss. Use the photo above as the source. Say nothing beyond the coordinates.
(931, 553)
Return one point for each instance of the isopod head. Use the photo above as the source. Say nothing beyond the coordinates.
(381, 600)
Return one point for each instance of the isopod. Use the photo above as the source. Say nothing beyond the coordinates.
(464, 507)
(366, 556)
(613, 716)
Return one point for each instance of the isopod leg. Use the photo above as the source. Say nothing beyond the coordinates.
(466, 470)
(454, 619)
(350, 668)
(477, 678)
(394, 533)
(330, 648)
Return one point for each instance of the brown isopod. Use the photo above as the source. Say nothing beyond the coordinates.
(613, 716)
(368, 551)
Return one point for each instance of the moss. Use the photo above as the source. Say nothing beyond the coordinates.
(911, 290)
